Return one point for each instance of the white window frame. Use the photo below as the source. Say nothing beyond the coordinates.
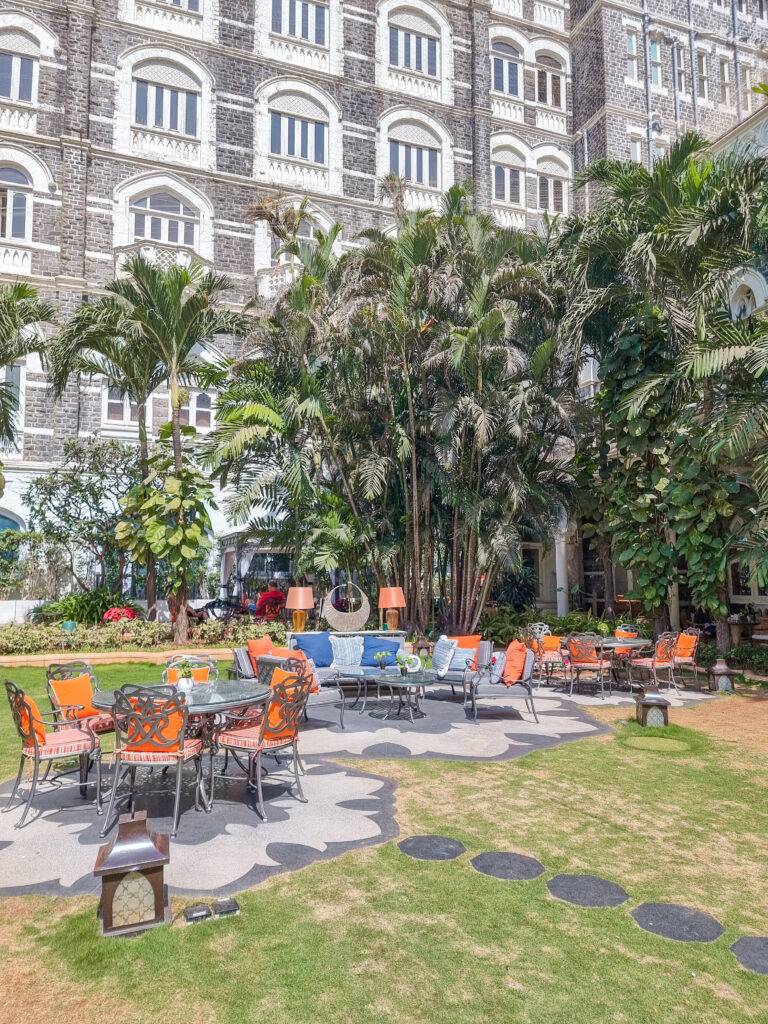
(286, 131)
(508, 170)
(127, 423)
(632, 70)
(413, 155)
(440, 88)
(191, 410)
(551, 74)
(293, 11)
(702, 75)
(655, 58)
(181, 109)
(507, 59)
(726, 84)
(11, 190)
(551, 181)
(745, 85)
(681, 83)
(414, 47)
(16, 59)
(636, 149)
(165, 219)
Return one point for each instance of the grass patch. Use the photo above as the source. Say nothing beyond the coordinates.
(375, 936)
(668, 739)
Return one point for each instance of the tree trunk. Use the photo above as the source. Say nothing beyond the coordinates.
(181, 625)
(722, 626)
(151, 582)
(604, 548)
(661, 620)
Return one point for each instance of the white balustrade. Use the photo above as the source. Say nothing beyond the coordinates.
(549, 15)
(512, 8)
(164, 256)
(15, 258)
(508, 216)
(303, 54)
(421, 198)
(298, 174)
(507, 109)
(17, 117)
(412, 84)
(273, 281)
(551, 120)
(161, 145)
(165, 17)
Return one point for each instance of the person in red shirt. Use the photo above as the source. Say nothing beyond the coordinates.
(271, 602)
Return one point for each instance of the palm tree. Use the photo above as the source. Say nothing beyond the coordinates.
(152, 328)
(20, 311)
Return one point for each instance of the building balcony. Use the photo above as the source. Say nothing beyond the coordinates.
(411, 83)
(272, 281)
(507, 108)
(507, 216)
(17, 117)
(160, 145)
(300, 53)
(160, 253)
(162, 16)
(549, 15)
(298, 174)
(551, 120)
(511, 8)
(15, 258)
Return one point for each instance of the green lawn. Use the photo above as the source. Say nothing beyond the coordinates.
(32, 681)
(375, 936)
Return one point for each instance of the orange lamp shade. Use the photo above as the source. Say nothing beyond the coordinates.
(300, 599)
(391, 597)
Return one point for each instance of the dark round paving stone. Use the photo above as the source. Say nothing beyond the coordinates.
(752, 953)
(512, 867)
(432, 847)
(677, 922)
(587, 890)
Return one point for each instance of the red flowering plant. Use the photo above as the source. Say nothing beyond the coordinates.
(117, 614)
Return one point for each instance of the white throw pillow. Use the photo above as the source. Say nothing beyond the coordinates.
(461, 656)
(347, 651)
(442, 655)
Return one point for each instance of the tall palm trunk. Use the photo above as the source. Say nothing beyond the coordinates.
(151, 583)
(181, 623)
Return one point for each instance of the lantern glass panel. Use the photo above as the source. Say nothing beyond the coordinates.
(134, 901)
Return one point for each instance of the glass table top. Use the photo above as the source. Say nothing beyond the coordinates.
(420, 678)
(207, 698)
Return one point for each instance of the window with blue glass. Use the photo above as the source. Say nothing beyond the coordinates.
(505, 68)
(298, 137)
(166, 108)
(414, 163)
(507, 184)
(15, 204)
(413, 51)
(301, 20)
(17, 75)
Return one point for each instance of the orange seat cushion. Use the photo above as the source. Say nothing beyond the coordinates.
(515, 663)
(72, 692)
(686, 645)
(256, 648)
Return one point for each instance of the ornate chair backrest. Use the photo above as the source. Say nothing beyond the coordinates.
(687, 642)
(149, 719)
(69, 670)
(626, 631)
(26, 716)
(290, 692)
(536, 630)
(268, 664)
(664, 652)
(70, 684)
(584, 647)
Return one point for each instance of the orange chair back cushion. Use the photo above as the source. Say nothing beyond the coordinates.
(201, 674)
(257, 647)
(173, 675)
(686, 645)
(662, 655)
(167, 733)
(30, 708)
(275, 718)
(548, 643)
(71, 692)
(515, 663)
(624, 634)
(582, 654)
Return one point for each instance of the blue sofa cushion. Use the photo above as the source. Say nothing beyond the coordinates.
(316, 646)
(373, 645)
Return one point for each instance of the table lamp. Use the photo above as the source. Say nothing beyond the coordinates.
(300, 600)
(391, 599)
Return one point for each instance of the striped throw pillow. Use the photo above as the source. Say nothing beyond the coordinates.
(442, 655)
(347, 651)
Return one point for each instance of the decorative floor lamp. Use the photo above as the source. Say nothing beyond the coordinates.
(390, 600)
(300, 600)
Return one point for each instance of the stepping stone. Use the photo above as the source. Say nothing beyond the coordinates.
(512, 867)
(677, 922)
(432, 847)
(587, 890)
(752, 953)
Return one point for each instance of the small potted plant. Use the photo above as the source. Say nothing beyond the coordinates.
(402, 661)
(184, 668)
(381, 657)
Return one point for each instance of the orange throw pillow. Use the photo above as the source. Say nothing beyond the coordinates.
(76, 691)
(515, 663)
(169, 732)
(256, 648)
(38, 726)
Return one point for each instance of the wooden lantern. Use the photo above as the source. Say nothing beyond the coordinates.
(652, 709)
(134, 896)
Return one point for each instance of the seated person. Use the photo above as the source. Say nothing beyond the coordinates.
(271, 602)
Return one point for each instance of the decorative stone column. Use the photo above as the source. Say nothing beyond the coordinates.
(561, 566)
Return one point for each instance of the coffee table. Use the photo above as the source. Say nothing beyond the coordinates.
(404, 690)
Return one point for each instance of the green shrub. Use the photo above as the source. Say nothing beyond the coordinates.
(241, 632)
(505, 624)
(87, 608)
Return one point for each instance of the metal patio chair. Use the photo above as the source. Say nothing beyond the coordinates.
(71, 686)
(493, 674)
(585, 655)
(662, 660)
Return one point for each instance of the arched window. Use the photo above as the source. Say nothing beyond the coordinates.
(508, 169)
(19, 54)
(301, 19)
(163, 217)
(415, 154)
(506, 68)
(414, 42)
(550, 84)
(553, 186)
(166, 98)
(197, 411)
(15, 204)
(298, 128)
(305, 231)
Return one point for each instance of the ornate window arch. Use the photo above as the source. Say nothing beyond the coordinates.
(192, 19)
(23, 177)
(298, 133)
(509, 55)
(164, 107)
(162, 217)
(748, 292)
(23, 41)
(553, 170)
(414, 50)
(308, 34)
(419, 150)
(274, 270)
(510, 160)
